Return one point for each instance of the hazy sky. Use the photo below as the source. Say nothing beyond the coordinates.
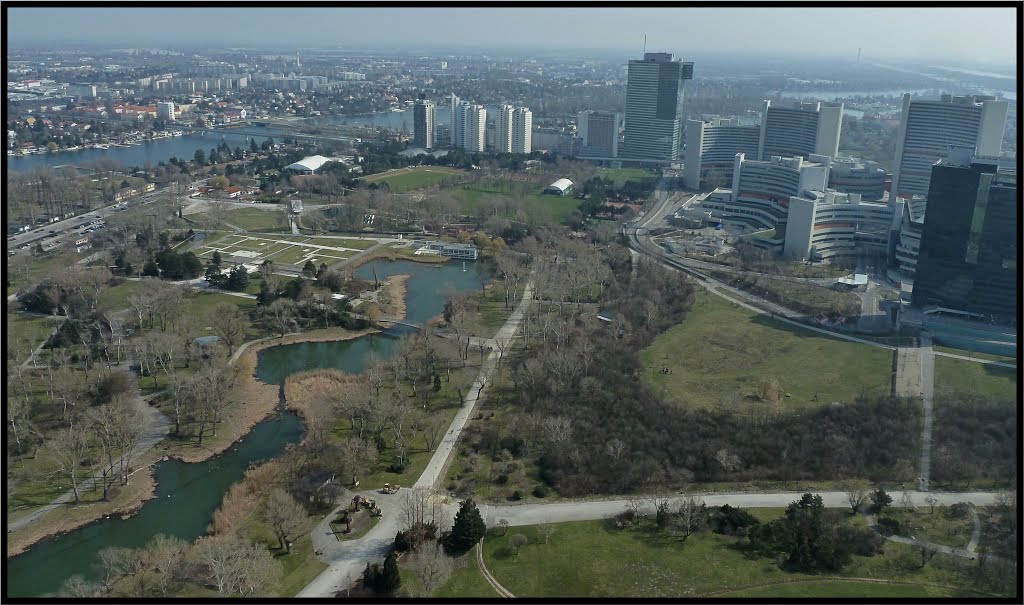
(970, 34)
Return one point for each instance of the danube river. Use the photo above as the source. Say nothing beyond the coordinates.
(154, 152)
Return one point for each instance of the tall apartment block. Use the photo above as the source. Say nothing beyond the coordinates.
(598, 132)
(968, 254)
(522, 130)
(165, 110)
(929, 128)
(503, 129)
(800, 129)
(654, 108)
(711, 147)
(423, 123)
(455, 127)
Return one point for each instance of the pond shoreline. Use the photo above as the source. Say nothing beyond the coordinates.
(266, 398)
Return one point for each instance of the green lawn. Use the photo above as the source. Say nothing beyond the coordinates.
(839, 588)
(115, 298)
(27, 330)
(967, 353)
(720, 352)
(252, 219)
(357, 244)
(621, 175)
(958, 378)
(536, 208)
(939, 527)
(594, 559)
(413, 178)
(25, 270)
(201, 302)
(466, 581)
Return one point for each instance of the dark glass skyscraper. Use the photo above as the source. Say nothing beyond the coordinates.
(654, 107)
(968, 255)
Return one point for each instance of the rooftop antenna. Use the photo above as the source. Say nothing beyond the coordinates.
(645, 44)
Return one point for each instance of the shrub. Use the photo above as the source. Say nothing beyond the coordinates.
(890, 526)
(540, 491)
(516, 495)
(502, 479)
(862, 541)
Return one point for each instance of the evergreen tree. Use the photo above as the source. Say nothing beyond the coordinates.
(215, 259)
(469, 527)
(390, 580)
(238, 279)
(151, 269)
(309, 269)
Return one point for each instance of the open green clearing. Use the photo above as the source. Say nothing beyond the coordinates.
(939, 526)
(977, 354)
(960, 378)
(621, 175)
(466, 581)
(720, 352)
(115, 298)
(595, 559)
(23, 269)
(842, 588)
(27, 331)
(250, 219)
(515, 199)
(413, 178)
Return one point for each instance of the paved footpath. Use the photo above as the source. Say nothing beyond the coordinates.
(346, 560)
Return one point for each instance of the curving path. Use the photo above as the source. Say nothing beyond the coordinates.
(346, 560)
(501, 590)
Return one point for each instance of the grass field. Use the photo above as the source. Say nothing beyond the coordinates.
(720, 352)
(466, 581)
(621, 175)
(115, 298)
(27, 331)
(840, 588)
(595, 559)
(536, 208)
(289, 250)
(958, 378)
(977, 354)
(25, 270)
(410, 179)
(251, 219)
(939, 527)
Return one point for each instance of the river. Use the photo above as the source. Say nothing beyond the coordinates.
(188, 494)
(160, 150)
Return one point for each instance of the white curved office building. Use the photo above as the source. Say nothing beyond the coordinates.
(929, 128)
(851, 175)
(823, 225)
(711, 148)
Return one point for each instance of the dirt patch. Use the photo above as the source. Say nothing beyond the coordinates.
(301, 389)
(394, 305)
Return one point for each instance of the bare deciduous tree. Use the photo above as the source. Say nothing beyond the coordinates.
(547, 529)
(68, 449)
(285, 515)
(691, 516)
(517, 541)
(431, 567)
(856, 495)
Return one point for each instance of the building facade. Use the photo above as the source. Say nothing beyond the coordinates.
(654, 107)
(598, 132)
(968, 256)
(830, 224)
(503, 129)
(711, 147)
(851, 175)
(423, 124)
(929, 128)
(800, 129)
(165, 111)
(474, 127)
(522, 130)
(761, 189)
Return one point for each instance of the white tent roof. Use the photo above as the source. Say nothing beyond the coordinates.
(561, 184)
(312, 163)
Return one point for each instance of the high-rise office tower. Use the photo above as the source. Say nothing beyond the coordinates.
(711, 147)
(654, 107)
(599, 133)
(423, 123)
(929, 128)
(522, 130)
(454, 121)
(968, 255)
(503, 129)
(800, 129)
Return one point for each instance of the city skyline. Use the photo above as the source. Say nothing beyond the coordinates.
(985, 34)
